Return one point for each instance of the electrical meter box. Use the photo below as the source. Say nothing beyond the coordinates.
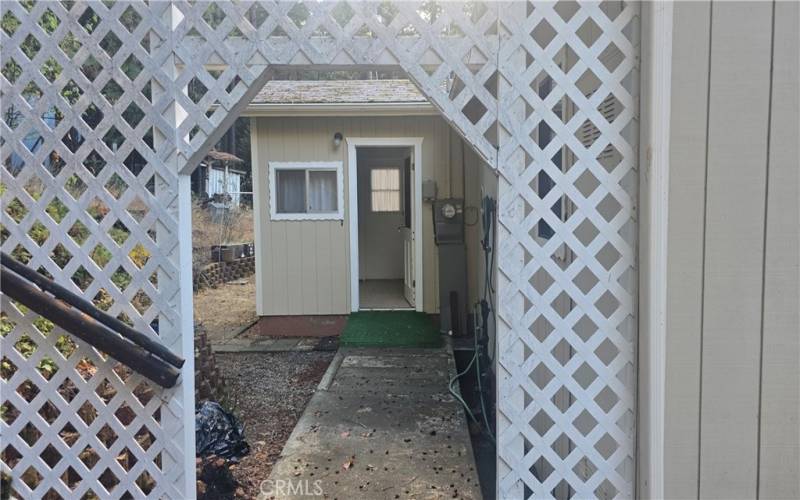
(448, 223)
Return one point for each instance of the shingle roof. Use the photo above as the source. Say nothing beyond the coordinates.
(223, 156)
(338, 91)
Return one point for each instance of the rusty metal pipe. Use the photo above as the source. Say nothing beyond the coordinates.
(87, 307)
(88, 329)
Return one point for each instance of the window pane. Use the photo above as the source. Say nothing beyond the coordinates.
(322, 191)
(385, 189)
(290, 191)
(386, 201)
(385, 178)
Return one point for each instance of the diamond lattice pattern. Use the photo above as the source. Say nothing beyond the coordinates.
(105, 104)
(567, 242)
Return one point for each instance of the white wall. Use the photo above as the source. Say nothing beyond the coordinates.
(215, 184)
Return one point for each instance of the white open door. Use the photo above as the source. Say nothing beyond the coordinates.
(409, 280)
(412, 203)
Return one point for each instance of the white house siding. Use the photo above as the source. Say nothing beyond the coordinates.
(731, 422)
(303, 266)
(216, 184)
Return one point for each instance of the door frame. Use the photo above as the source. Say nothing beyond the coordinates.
(352, 207)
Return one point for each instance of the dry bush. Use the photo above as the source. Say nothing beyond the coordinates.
(235, 226)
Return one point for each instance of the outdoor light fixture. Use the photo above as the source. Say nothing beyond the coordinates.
(337, 139)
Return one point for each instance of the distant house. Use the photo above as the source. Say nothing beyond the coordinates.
(346, 176)
(219, 179)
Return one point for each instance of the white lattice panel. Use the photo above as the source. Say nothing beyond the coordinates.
(567, 242)
(105, 104)
(89, 200)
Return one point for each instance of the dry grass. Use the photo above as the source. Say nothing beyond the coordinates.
(225, 310)
(234, 227)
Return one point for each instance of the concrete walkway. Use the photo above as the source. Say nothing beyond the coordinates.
(381, 425)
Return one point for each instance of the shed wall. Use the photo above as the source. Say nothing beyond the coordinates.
(303, 267)
(731, 423)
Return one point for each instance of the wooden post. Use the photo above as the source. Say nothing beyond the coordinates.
(87, 307)
(87, 329)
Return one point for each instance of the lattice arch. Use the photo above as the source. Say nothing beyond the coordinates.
(99, 128)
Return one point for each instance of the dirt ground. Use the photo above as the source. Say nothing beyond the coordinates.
(268, 393)
(227, 309)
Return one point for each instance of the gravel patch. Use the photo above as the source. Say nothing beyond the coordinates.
(268, 392)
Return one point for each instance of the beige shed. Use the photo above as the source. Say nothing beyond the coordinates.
(345, 177)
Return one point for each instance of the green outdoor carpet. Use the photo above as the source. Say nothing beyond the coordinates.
(390, 329)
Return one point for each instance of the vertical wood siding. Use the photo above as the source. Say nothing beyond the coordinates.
(732, 339)
(685, 245)
(305, 265)
(780, 395)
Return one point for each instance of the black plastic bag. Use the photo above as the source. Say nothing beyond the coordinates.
(217, 432)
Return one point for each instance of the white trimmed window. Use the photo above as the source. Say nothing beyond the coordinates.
(385, 189)
(306, 190)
